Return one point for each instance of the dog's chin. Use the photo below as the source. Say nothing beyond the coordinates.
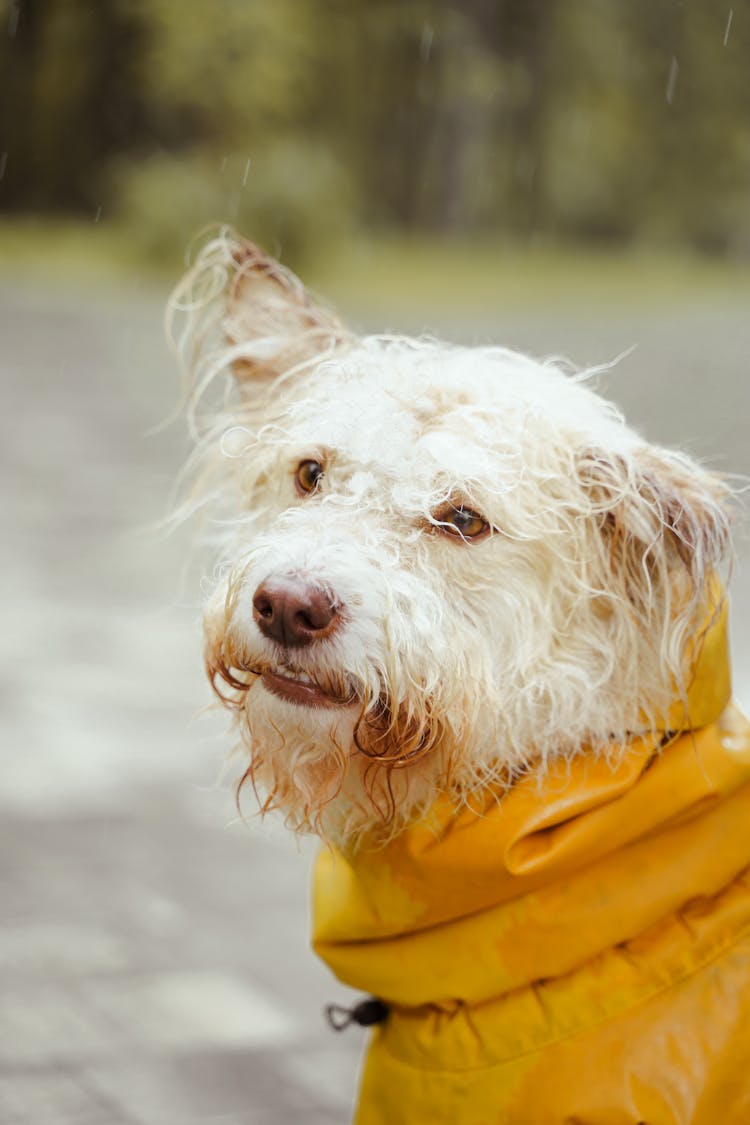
(282, 710)
(299, 754)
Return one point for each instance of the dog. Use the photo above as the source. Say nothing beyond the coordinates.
(472, 628)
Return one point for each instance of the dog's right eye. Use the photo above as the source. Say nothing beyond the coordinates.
(460, 522)
(308, 476)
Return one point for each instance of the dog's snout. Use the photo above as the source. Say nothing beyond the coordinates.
(293, 612)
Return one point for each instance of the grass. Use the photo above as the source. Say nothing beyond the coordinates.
(387, 274)
(84, 253)
(464, 276)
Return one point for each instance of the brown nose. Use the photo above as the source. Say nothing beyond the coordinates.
(294, 613)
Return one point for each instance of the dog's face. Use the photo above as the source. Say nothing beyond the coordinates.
(441, 566)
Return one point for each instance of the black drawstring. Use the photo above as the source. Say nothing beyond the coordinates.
(365, 1013)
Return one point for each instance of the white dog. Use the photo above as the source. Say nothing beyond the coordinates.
(445, 573)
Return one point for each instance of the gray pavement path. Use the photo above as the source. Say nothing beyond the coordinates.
(154, 952)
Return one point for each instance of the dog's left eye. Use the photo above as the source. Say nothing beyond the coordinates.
(461, 522)
(308, 477)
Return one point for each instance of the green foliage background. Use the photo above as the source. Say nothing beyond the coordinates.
(307, 121)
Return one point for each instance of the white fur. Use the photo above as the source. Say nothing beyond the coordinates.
(562, 631)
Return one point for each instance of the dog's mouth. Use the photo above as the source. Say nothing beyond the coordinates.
(299, 688)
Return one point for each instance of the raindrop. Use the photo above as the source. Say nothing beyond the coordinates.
(3, 163)
(425, 45)
(247, 170)
(674, 68)
(223, 165)
(728, 27)
(98, 214)
(13, 14)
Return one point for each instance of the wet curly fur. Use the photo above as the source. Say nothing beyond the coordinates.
(461, 660)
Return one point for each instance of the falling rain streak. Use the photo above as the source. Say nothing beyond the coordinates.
(674, 69)
(425, 44)
(729, 26)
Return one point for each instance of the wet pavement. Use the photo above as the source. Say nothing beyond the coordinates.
(153, 948)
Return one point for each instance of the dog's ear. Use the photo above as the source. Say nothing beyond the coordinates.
(271, 322)
(664, 524)
(237, 309)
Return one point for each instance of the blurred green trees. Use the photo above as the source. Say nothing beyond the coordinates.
(301, 121)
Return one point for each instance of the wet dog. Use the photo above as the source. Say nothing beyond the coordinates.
(440, 567)
(472, 628)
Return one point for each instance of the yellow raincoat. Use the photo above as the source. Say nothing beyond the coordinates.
(577, 952)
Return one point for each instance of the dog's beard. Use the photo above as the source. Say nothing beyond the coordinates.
(298, 756)
(360, 764)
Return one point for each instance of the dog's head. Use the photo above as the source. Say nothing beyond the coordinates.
(440, 566)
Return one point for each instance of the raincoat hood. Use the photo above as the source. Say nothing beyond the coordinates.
(575, 950)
